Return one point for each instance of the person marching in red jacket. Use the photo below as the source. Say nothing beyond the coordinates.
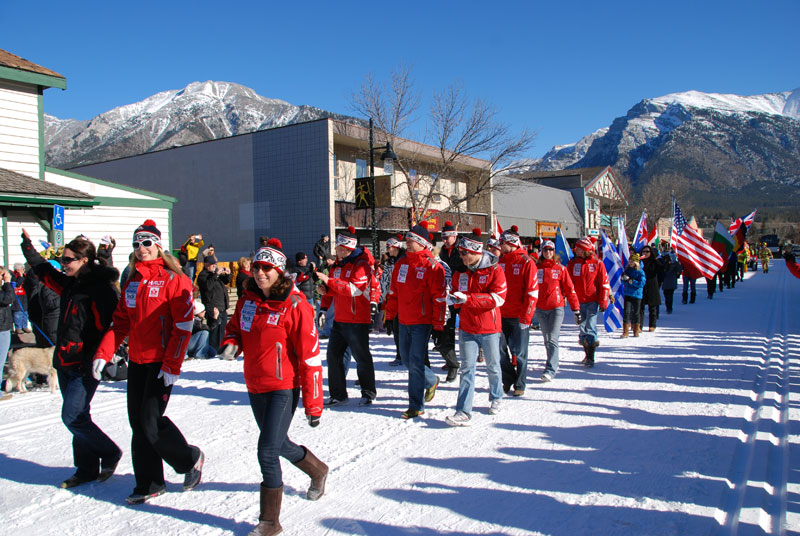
(518, 310)
(591, 284)
(274, 325)
(350, 282)
(554, 286)
(156, 313)
(417, 297)
(480, 291)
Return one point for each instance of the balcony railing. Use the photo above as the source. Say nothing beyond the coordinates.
(398, 219)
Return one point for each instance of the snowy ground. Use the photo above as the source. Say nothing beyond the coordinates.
(692, 429)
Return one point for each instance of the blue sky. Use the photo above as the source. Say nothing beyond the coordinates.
(563, 69)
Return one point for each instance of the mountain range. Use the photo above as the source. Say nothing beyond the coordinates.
(736, 151)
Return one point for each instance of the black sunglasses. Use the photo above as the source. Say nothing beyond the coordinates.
(68, 260)
(144, 243)
(262, 268)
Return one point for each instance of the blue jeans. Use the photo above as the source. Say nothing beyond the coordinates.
(588, 328)
(5, 344)
(189, 270)
(469, 344)
(91, 447)
(414, 353)
(20, 319)
(515, 339)
(198, 345)
(328, 326)
(550, 323)
(273, 412)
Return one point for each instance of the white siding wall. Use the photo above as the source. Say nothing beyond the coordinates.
(91, 188)
(119, 222)
(19, 128)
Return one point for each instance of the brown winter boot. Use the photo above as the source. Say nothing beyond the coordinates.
(625, 329)
(269, 522)
(317, 470)
(637, 329)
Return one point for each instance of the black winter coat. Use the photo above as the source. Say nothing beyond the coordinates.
(43, 307)
(651, 294)
(213, 291)
(303, 280)
(6, 315)
(87, 304)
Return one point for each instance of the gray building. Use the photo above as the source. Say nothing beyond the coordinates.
(536, 210)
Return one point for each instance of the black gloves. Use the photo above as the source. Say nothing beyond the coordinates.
(436, 336)
(389, 326)
(373, 311)
(313, 420)
(578, 318)
(789, 257)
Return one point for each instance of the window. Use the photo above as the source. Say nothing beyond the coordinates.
(335, 172)
(361, 168)
(454, 188)
(412, 177)
(436, 187)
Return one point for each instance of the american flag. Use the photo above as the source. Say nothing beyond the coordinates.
(691, 248)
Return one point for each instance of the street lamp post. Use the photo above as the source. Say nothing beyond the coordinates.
(389, 155)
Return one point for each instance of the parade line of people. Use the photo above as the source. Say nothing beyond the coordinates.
(484, 298)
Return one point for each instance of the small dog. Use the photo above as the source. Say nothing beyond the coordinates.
(27, 360)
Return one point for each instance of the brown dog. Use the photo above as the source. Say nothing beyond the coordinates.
(27, 360)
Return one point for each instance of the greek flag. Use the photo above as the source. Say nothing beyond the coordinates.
(622, 246)
(612, 318)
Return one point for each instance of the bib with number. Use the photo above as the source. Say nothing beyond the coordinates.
(130, 295)
(402, 274)
(247, 315)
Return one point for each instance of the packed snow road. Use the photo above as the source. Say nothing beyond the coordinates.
(691, 429)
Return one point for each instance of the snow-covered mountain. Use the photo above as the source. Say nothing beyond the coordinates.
(730, 147)
(201, 111)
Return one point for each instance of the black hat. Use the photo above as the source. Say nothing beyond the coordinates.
(449, 229)
(299, 256)
(147, 230)
(209, 259)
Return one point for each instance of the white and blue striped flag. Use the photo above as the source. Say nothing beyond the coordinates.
(612, 318)
(622, 244)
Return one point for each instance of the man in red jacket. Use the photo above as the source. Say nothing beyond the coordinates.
(350, 282)
(479, 291)
(590, 280)
(417, 298)
(523, 291)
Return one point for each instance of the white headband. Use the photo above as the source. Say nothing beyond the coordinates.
(271, 257)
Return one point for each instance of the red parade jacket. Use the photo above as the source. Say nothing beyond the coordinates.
(486, 292)
(590, 280)
(350, 282)
(156, 313)
(523, 286)
(417, 293)
(554, 286)
(280, 343)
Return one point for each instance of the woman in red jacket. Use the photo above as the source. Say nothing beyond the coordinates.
(156, 313)
(554, 286)
(274, 325)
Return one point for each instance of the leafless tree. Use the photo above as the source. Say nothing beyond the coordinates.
(472, 145)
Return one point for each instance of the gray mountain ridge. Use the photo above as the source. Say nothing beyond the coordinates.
(730, 147)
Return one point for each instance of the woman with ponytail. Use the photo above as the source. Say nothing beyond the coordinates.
(156, 313)
(88, 298)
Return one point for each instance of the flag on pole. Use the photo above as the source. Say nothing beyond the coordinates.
(652, 237)
(722, 244)
(497, 229)
(640, 236)
(747, 221)
(622, 245)
(562, 247)
(692, 249)
(612, 317)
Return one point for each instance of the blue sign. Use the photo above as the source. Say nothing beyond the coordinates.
(58, 218)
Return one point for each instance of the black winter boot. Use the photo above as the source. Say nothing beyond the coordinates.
(589, 361)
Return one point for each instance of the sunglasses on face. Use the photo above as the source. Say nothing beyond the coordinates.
(143, 243)
(68, 260)
(262, 268)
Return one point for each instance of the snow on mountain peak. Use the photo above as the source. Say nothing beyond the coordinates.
(770, 103)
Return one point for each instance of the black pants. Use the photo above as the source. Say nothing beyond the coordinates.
(155, 439)
(652, 314)
(711, 286)
(273, 412)
(668, 296)
(356, 336)
(217, 329)
(630, 314)
(447, 341)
